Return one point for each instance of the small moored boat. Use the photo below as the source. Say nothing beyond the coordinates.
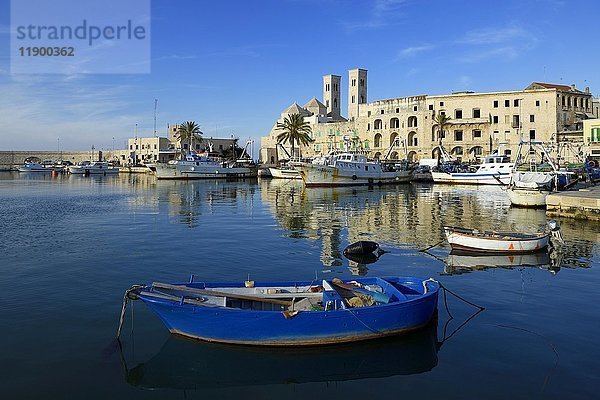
(496, 242)
(292, 313)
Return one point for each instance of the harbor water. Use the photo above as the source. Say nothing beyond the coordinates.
(71, 245)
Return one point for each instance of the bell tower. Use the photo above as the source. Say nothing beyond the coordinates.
(331, 94)
(357, 91)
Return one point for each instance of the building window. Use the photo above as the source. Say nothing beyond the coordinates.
(516, 103)
(353, 82)
(368, 113)
(495, 103)
(458, 136)
(397, 110)
(382, 111)
(431, 107)
(352, 99)
(515, 121)
(532, 134)
(441, 104)
(476, 113)
(362, 83)
(507, 152)
(415, 108)
(327, 87)
(458, 114)
(335, 103)
(412, 121)
(506, 103)
(327, 103)
(362, 99)
(368, 127)
(154, 147)
(130, 147)
(532, 118)
(476, 133)
(495, 119)
(377, 124)
(537, 103)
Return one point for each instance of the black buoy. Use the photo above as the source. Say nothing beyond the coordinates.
(361, 247)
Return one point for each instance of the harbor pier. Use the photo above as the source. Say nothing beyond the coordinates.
(581, 204)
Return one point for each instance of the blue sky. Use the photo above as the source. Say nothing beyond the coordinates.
(233, 66)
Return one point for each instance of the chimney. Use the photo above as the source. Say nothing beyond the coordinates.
(587, 90)
(573, 87)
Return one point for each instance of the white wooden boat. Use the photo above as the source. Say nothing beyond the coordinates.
(495, 242)
(349, 169)
(202, 166)
(94, 168)
(495, 170)
(524, 197)
(285, 173)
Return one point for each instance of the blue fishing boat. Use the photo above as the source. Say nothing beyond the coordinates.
(291, 313)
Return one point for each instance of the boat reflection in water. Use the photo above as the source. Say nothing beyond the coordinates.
(188, 364)
(461, 262)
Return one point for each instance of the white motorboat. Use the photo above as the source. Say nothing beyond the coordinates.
(33, 167)
(525, 197)
(349, 169)
(94, 168)
(202, 166)
(495, 170)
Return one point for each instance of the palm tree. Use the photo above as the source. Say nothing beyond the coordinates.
(294, 129)
(189, 131)
(442, 121)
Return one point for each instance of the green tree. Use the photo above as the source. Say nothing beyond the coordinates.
(442, 121)
(294, 130)
(189, 132)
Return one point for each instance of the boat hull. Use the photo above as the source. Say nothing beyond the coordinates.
(273, 328)
(280, 173)
(527, 197)
(471, 178)
(500, 243)
(327, 176)
(174, 171)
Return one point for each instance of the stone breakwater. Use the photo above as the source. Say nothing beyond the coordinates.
(9, 159)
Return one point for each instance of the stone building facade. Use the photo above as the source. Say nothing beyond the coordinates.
(481, 123)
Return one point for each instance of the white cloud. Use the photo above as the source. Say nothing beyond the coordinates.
(495, 35)
(413, 50)
(381, 14)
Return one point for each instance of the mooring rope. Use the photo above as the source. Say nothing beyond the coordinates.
(126, 297)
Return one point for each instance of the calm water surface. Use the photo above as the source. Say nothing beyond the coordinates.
(70, 246)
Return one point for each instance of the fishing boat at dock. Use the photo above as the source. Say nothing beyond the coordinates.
(202, 166)
(350, 169)
(495, 170)
(291, 313)
(94, 168)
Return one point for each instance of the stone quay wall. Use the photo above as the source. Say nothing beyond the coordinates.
(11, 159)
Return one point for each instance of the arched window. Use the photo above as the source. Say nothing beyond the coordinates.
(412, 122)
(393, 138)
(394, 123)
(378, 124)
(476, 151)
(457, 151)
(412, 156)
(412, 139)
(377, 140)
(377, 155)
(394, 155)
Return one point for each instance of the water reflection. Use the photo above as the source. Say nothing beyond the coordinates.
(186, 364)
(410, 217)
(458, 263)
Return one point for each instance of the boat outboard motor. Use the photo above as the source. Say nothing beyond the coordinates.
(555, 231)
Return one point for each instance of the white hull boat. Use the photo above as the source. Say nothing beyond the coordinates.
(285, 173)
(349, 169)
(201, 166)
(33, 167)
(527, 197)
(495, 242)
(495, 170)
(94, 168)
